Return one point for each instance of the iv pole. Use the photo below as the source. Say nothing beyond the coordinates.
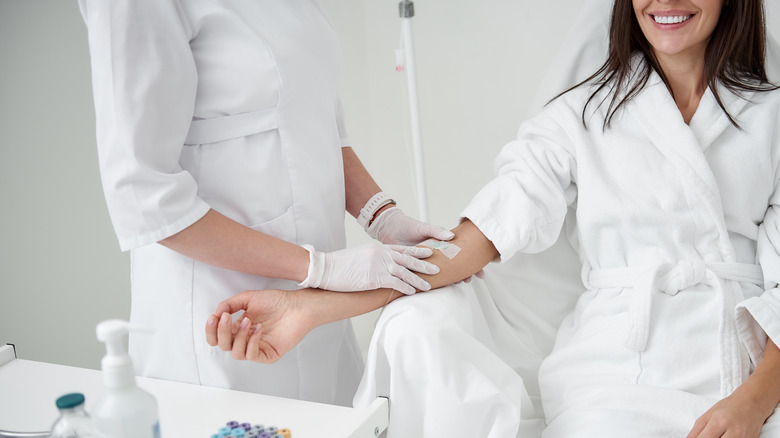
(406, 12)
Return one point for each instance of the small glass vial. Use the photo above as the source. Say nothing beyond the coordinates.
(73, 421)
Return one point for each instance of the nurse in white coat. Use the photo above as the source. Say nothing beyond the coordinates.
(226, 167)
(677, 228)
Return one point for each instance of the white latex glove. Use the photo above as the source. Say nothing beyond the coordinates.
(370, 266)
(393, 226)
(480, 275)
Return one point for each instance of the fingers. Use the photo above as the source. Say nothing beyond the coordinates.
(712, 431)
(414, 264)
(233, 304)
(401, 286)
(225, 332)
(258, 350)
(211, 330)
(414, 251)
(439, 233)
(214, 323)
(240, 341)
(241, 338)
(698, 427)
(408, 277)
(480, 274)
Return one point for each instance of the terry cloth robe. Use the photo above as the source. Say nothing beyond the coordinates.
(672, 222)
(677, 228)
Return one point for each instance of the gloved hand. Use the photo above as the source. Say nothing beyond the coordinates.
(480, 274)
(368, 267)
(393, 226)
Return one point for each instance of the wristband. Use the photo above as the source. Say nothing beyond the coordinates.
(369, 210)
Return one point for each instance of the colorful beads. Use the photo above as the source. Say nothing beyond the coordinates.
(234, 429)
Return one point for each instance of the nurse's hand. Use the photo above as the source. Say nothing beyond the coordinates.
(393, 226)
(370, 267)
(273, 323)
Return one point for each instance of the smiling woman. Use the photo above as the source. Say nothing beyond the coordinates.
(675, 28)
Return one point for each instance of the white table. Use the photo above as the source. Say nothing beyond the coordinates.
(28, 390)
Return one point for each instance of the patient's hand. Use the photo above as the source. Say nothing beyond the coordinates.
(734, 416)
(272, 324)
(743, 413)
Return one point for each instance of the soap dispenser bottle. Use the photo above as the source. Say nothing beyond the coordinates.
(124, 410)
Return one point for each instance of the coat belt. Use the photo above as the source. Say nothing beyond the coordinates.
(205, 131)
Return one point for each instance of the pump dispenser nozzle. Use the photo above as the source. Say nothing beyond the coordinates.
(116, 364)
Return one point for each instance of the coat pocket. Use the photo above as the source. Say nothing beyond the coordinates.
(240, 165)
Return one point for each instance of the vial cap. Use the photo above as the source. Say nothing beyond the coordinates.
(70, 400)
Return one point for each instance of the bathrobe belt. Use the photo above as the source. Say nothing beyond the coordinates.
(670, 279)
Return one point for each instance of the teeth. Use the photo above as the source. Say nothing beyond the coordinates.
(671, 19)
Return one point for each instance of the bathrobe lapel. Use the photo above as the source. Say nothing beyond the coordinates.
(685, 147)
(659, 117)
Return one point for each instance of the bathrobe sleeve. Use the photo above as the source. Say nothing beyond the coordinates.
(759, 317)
(523, 208)
(144, 84)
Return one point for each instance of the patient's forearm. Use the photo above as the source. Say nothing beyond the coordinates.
(323, 307)
(476, 251)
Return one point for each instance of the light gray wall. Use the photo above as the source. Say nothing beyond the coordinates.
(479, 63)
(60, 267)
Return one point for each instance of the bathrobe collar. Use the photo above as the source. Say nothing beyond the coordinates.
(658, 115)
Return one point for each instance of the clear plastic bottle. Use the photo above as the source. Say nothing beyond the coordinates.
(124, 410)
(73, 422)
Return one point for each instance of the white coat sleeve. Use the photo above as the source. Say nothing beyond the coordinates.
(523, 208)
(759, 317)
(144, 84)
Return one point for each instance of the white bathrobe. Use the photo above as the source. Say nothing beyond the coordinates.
(675, 224)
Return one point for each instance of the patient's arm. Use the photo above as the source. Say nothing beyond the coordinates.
(744, 412)
(476, 252)
(285, 317)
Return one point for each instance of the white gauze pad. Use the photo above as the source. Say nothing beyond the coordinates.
(447, 249)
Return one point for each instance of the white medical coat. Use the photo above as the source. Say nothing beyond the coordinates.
(230, 105)
(673, 221)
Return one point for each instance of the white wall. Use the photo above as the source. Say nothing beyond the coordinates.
(60, 267)
(61, 270)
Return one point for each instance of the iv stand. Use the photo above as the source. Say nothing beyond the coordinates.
(406, 12)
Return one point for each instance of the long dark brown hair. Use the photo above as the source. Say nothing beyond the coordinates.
(734, 57)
